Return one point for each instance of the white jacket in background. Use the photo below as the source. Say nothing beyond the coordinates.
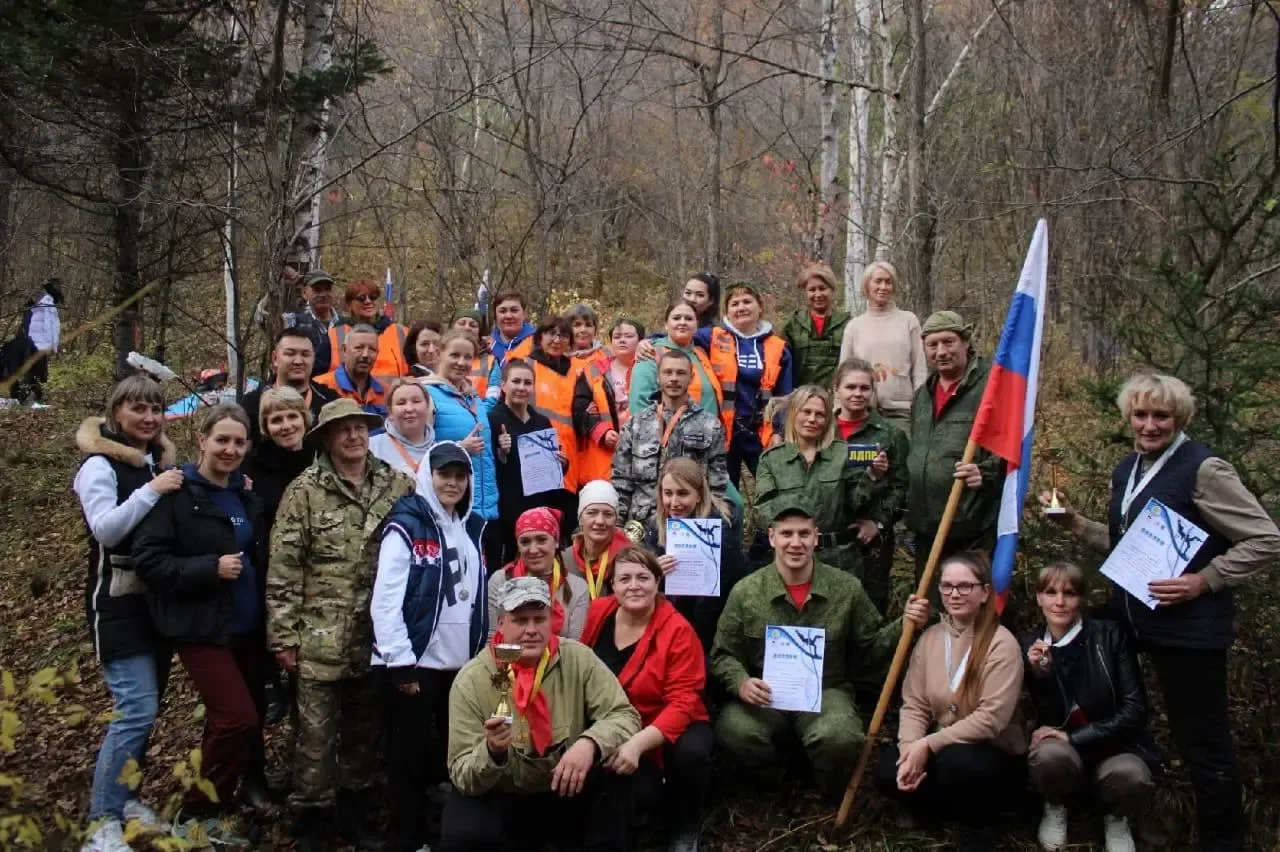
(46, 328)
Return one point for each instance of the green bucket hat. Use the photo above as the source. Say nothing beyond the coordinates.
(341, 409)
(946, 321)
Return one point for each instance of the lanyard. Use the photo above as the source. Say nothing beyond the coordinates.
(555, 579)
(404, 454)
(668, 428)
(1135, 487)
(1066, 637)
(537, 675)
(955, 678)
(597, 586)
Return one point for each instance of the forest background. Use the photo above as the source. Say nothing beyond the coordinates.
(165, 158)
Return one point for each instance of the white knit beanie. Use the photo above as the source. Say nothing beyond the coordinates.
(597, 491)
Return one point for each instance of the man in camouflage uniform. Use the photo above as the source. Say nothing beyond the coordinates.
(669, 427)
(323, 558)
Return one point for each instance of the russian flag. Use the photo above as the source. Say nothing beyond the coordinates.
(1005, 424)
(389, 306)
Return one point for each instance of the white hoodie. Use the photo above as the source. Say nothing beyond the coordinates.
(450, 645)
(46, 329)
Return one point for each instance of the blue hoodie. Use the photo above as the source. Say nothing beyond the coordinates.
(456, 415)
(500, 346)
(750, 371)
(247, 613)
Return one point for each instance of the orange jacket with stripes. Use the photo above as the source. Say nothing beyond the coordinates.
(597, 459)
(553, 399)
(390, 363)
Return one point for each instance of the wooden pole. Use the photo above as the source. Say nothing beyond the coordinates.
(904, 643)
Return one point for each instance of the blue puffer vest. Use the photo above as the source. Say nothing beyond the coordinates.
(425, 591)
(1206, 623)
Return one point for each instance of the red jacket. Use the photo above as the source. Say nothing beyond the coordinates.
(667, 671)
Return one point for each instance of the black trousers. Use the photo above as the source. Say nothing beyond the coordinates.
(417, 736)
(1194, 685)
(963, 783)
(595, 820)
(679, 788)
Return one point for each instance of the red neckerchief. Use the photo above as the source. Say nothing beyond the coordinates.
(529, 696)
(518, 569)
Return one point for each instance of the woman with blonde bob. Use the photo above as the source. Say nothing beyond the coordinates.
(684, 494)
(1091, 713)
(889, 338)
(812, 467)
(815, 332)
(1186, 624)
(961, 746)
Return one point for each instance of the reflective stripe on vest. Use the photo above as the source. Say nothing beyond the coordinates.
(553, 399)
(337, 337)
(480, 369)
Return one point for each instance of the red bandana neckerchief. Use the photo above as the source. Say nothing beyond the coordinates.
(528, 695)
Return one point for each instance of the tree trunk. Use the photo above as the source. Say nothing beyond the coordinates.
(131, 158)
(313, 138)
(711, 98)
(824, 237)
(890, 162)
(856, 244)
(920, 225)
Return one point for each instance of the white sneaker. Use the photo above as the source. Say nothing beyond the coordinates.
(108, 838)
(1115, 833)
(134, 809)
(1053, 827)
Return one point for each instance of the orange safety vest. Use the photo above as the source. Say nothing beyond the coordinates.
(553, 399)
(594, 364)
(522, 350)
(597, 461)
(480, 370)
(724, 360)
(390, 363)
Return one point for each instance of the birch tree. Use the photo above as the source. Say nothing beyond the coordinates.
(829, 158)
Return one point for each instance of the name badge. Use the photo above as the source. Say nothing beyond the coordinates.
(862, 455)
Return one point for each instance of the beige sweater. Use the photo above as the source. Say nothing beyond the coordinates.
(889, 340)
(927, 697)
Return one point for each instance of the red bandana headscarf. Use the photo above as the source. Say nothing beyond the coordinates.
(529, 697)
(544, 520)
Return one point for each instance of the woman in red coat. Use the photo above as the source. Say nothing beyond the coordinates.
(656, 656)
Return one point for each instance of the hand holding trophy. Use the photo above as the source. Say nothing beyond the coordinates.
(505, 653)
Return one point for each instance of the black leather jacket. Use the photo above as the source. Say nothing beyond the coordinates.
(1100, 674)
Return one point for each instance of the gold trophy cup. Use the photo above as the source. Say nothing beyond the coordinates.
(634, 530)
(1055, 507)
(506, 654)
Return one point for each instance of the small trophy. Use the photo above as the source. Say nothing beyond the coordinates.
(1055, 507)
(506, 653)
(634, 530)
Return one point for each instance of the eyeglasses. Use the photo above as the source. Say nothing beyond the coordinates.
(365, 298)
(961, 589)
(557, 335)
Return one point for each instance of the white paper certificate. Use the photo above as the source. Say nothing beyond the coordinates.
(540, 468)
(695, 543)
(793, 667)
(1158, 546)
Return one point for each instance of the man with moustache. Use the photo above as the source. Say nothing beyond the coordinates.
(538, 774)
(354, 379)
(318, 318)
(292, 360)
(942, 414)
(324, 546)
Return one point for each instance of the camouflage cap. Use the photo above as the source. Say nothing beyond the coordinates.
(946, 321)
(317, 276)
(523, 591)
(341, 409)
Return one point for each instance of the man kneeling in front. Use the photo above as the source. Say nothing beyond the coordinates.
(794, 595)
(528, 769)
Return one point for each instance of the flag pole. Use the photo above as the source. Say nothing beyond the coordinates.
(904, 642)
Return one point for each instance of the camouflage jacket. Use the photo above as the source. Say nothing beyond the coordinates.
(324, 552)
(641, 453)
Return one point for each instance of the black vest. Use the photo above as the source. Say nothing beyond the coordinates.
(115, 598)
(1207, 622)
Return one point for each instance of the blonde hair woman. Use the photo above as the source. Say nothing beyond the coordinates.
(889, 339)
(812, 467)
(1187, 633)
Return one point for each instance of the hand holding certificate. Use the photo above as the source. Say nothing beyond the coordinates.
(1158, 546)
(695, 543)
(793, 667)
(540, 468)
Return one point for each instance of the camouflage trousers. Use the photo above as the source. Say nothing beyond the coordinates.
(339, 738)
(831, 739)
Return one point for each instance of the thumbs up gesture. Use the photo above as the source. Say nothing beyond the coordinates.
(473, 443)
(504, 442)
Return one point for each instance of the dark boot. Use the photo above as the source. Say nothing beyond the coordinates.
(255, 795)
(358, 820)
(277, 695)
(312, 828)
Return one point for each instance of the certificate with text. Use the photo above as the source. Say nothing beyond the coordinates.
(695, 544)
(540, 468)
(1158, 546)
(793, 667)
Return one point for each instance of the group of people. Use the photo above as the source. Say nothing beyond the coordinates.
(504, 649)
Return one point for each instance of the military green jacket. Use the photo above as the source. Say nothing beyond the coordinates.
(640, 455)
(324, 554)
(936, 447)
(836, 494)
(814, 357)
(855, 632)
(890, 500)
(585, 700)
